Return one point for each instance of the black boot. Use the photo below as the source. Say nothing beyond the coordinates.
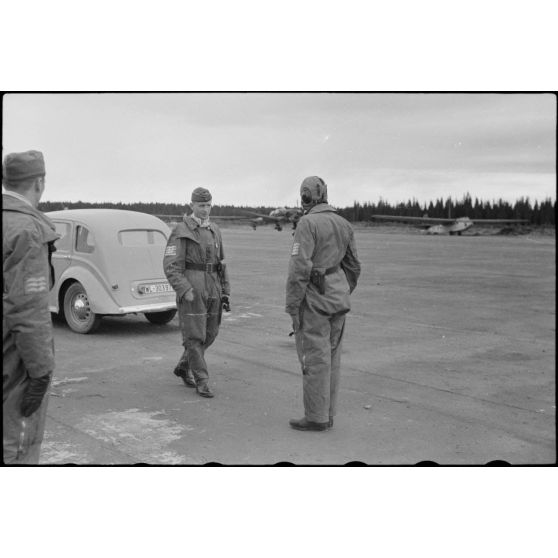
(186, 376)
(304, 424)
(203, 389)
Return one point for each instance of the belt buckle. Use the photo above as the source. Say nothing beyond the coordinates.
(208, 267)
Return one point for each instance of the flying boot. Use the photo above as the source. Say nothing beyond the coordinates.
(304, 424)
(203, 389)
(186, 376)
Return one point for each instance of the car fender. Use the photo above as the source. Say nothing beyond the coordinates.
(100, 301)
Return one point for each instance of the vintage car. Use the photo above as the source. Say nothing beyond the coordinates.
(109, 262)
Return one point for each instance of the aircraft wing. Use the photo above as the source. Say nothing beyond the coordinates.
(414, 220)
(499, 221)
(232, 217)
(212, 217)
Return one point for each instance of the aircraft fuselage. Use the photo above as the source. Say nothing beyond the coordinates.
(460, 225)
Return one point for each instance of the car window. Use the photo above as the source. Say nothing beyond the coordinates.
(84, 240)
(141, 237)
(65, 240)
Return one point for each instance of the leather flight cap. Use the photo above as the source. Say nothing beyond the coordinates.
(311, 182)
(201, 195)
(20, 166)
(314, 188)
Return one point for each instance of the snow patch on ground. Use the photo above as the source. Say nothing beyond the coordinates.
(145, 435)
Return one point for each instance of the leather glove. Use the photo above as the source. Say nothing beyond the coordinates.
(226, 303)
(33, 394)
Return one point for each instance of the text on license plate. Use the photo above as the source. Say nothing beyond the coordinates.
(153, 288)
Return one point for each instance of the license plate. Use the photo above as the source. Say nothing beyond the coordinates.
(154, 288)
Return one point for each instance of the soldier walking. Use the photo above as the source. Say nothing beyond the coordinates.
(193, 265)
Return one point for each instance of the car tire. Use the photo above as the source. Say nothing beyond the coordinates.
(160, 318)
(79, 316)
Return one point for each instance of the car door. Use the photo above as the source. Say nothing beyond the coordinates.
(62, 258)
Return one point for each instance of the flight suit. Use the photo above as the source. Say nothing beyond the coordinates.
(191, 244)
(323, 251)
(27, 337)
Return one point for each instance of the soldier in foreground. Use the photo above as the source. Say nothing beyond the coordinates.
(194, 268)
(323, 271)
(28, 345)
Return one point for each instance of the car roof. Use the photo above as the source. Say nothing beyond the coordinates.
(113, 219)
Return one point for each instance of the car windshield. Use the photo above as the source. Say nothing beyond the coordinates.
(141, 237)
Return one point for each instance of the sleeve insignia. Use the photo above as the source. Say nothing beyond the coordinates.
(170, 250)
(34, 285)
(296, 248)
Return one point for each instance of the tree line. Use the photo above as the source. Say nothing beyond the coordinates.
(537, 213)
(151, 208)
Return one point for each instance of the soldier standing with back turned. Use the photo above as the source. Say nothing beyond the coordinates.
(194, 268)
(28, 346)
(323, 271)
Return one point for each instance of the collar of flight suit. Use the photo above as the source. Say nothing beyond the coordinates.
(203, 224)
(320, 208)
(193, 224)
(187, 227)
(13, 203)
(17, 197)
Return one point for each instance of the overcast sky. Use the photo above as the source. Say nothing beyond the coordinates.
(255, 149)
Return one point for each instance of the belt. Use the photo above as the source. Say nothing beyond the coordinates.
(207, 267)
(331, 270)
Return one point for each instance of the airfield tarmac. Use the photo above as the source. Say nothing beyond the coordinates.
(449, 356)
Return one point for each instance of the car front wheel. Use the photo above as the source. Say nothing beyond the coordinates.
(160, 318)
(77, 311)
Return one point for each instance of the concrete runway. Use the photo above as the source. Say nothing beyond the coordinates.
(449, 356)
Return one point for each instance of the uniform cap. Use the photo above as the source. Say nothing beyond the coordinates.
(20, 166)
(201, 195)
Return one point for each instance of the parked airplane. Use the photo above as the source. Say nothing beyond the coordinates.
(212, 217)
(450, 225)
(279, 216)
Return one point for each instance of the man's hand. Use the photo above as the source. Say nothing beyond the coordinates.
(33, 394)
(226, 303)
(188, 296)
